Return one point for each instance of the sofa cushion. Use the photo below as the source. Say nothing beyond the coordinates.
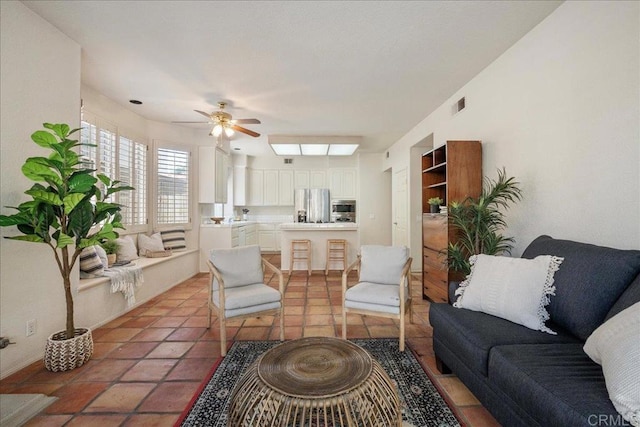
(471, 334)
(630, 296)
(555, 383)
(589, 282)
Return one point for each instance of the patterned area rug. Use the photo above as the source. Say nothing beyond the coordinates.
(422, 405)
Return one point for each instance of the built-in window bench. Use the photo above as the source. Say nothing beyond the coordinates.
(95, 304)
(142, 262)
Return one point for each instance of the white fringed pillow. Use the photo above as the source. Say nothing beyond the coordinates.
(615, 345)
(151, 243)
(515, 289)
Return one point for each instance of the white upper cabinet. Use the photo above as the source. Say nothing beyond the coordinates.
(240, 186)
(318, 179)
(285, 187)
(270, 188)
(343, 183)
(256, 187)
(300, 179)
(212, 175)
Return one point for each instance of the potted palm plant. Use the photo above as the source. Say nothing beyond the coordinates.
(68, 212)
(479, 222)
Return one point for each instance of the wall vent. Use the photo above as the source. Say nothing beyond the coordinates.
(288, 161)
(459, 106)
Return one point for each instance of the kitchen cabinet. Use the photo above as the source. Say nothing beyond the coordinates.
(268, 187)
(240, 184)
(213, 165)
(318, 179)
(285, 188)
(301, 179)
(267, 236)
(256, 187)
(343, 183)
(270, 190)
(251, 235)
(225, 236)
(452, 172)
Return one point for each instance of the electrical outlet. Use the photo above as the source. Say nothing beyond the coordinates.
(31, 327)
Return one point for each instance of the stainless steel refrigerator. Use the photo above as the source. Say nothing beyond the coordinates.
(319, 205)
(311, 205)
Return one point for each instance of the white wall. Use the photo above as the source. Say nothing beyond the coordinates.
(375, 192)
(560, 111)
(40, 82)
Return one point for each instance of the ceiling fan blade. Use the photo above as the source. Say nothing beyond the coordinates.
(247, 121)
(243, 130)
(207, 115)
(188, 122)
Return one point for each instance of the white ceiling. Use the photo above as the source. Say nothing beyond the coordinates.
(373, 69)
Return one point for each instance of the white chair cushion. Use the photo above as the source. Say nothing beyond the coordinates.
(250, 310)
(247, 296)
(238, 266)
(373, 307)
(382, 264)
(374, 293)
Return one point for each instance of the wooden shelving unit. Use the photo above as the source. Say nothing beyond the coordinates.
(452, 172)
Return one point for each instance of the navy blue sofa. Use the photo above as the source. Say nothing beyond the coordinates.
(532, 378)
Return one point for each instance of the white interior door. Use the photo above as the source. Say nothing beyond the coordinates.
(400, 202)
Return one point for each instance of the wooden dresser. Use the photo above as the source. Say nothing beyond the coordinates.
(452, 172)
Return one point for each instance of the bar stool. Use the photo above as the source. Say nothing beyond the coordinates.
(336, 252)
(300, 252)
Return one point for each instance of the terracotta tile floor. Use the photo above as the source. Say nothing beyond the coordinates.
(148, 363)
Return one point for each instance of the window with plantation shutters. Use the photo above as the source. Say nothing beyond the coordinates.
(120, 158)
(132, 170)
(172, 178)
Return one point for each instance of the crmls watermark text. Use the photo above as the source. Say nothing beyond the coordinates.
(604, 420)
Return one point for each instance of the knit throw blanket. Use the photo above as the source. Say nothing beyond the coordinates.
(125, 280)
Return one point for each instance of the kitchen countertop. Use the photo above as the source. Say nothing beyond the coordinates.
(337, 226)
(228, 225)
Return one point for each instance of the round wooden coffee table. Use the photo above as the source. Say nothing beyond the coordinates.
(315, 382)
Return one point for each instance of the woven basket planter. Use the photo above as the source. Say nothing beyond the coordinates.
(63, 354)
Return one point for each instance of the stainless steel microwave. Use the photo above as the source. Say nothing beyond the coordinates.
(343, 211)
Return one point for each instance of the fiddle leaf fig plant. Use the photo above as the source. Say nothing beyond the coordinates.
(479, 222)
(67, 210)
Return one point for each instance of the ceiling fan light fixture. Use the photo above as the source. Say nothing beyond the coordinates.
(217, 130)
(228, 131)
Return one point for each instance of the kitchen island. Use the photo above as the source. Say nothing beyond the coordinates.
(318, 234)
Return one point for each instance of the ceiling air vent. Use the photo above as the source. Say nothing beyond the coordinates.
(288, 161)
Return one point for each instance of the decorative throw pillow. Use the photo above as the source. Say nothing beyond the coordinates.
(616, 346)
(151, 243)
(90, 264)
(126, 249)
(102, 255)
(174, 239)
(515, 289)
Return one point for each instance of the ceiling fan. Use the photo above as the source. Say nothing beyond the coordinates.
(223, 121)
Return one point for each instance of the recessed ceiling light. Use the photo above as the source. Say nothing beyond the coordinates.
(135, 101)
(314, 149)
